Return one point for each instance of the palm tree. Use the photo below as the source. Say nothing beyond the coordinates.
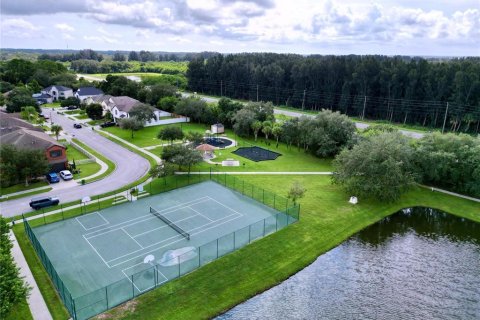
(56, 129)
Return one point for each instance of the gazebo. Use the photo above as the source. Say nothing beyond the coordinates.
(206, 149)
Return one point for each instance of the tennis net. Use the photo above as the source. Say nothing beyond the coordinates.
(170, 223)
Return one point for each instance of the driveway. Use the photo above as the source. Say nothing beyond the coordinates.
(129, 168)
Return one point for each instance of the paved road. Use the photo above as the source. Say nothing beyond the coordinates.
(360, 125)
(129, 168)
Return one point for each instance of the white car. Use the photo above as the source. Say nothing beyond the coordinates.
(66, 175)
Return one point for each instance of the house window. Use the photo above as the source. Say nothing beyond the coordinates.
(55, 153)
(116, 112)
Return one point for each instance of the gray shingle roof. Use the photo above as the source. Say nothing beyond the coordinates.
(124, 103)
(89, 91)
(29, 139)
(10, 122)
(59, 88)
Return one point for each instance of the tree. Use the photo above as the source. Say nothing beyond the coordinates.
(167, 103)
(170, 134)
(13, 288)
(18, 165)
(267, 128)
(194, 108)
(297, 191)
(70, 101)
(20, 97)
(94, 111)
(380, 167)
(243, 121)
(162, 171)
(256, 127)
(56, 129)
(117, 56)
(133, 56)
(143, 112)
(195, 137)
(132, 124)
(277, 131)
(29, 113)
(159, 91)
(181, 155)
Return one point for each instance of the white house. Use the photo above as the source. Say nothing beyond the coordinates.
(87, 92)
(58, 92)
(42, 98)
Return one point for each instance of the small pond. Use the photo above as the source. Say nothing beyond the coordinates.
(416, 264)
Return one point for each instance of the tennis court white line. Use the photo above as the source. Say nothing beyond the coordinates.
(146, 218)
(238, 215)
(175, 236)
(96, 251)
(155, 270)
(224, 205)
(132, 238)
(163, 226)
(166, 245)
(100, 225)
(129, 279)
(200, 214)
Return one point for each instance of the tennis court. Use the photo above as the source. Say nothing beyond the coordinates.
(110, 256)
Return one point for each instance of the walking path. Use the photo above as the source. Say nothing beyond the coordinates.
(452, 193)
(35, 300)
(154, 156)
(25, 191)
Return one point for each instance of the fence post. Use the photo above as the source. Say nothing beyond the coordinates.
(264, 227)
(210, 173)
(98, 201)
(217, 248)
(276, 222)
(44, 222)
(225, 179)
(133, 287)
(274, 201)
(249, 232)
(199, 254)
(106, 295)
(243, 186)
(234, 241)
(74, 308)
(263, 196)
(286, 207)
(178, 258)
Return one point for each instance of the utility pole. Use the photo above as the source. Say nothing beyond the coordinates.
(445, 119)
(257, 92)
(303, 101)
(364, 105)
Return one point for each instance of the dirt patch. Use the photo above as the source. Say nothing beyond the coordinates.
(120, 311)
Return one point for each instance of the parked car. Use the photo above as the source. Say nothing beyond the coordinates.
(42, 202)
(66, 175)
(72, 107)
(108, 124)
(77, 126)
(52, 177)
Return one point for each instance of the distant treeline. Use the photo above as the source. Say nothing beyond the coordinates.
(120, 56)
(399, 89)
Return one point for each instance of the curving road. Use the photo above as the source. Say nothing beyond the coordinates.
(129, 168)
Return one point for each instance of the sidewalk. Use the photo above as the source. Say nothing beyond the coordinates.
(452, 193)
(25, 191)
(35, 300)
(260, 172)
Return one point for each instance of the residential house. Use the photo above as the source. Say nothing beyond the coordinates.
(42, 98)
(23, 135)
(87, 92)
(58, 92)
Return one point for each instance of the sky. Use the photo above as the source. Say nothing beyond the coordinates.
(389, 27)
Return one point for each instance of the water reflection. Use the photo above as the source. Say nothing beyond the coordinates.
(417, 264)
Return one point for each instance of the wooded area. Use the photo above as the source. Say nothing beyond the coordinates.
(398, 89)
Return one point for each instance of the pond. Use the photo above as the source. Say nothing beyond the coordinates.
(419, 263)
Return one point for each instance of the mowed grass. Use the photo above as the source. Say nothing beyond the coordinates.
(22, 187)
(292, 159)
(75, 154)
(326, 220)
(20, 311)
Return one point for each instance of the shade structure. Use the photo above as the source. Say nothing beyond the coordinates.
(205, 147)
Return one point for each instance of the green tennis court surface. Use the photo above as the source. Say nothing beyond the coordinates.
(105, 258)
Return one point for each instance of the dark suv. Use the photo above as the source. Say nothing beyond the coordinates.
(42, 202)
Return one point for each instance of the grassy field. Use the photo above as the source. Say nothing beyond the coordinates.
(28, 194)
(86, 169)
(91, 168)
(75, 154)
(291, 159)
(21, 187)
(51, 105)
(20, 311)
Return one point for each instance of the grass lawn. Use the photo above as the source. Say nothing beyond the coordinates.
(326, 220)
(75, 154)
(21, 187)
(291, 159)
(147, 136)
(51, 105)
(24, 195)
(20, 311)
(76, 111)
(81, 116)
(86, 170)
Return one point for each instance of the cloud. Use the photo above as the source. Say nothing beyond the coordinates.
(104, 39)
(64, 27)
(32, 7)
(18, 28)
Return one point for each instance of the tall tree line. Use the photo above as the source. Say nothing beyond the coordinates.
(397, 89)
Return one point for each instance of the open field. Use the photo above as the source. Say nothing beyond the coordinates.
(291, 159)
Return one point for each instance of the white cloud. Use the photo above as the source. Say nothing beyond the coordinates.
(64, 27)
(100, 39)
(19, 28)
